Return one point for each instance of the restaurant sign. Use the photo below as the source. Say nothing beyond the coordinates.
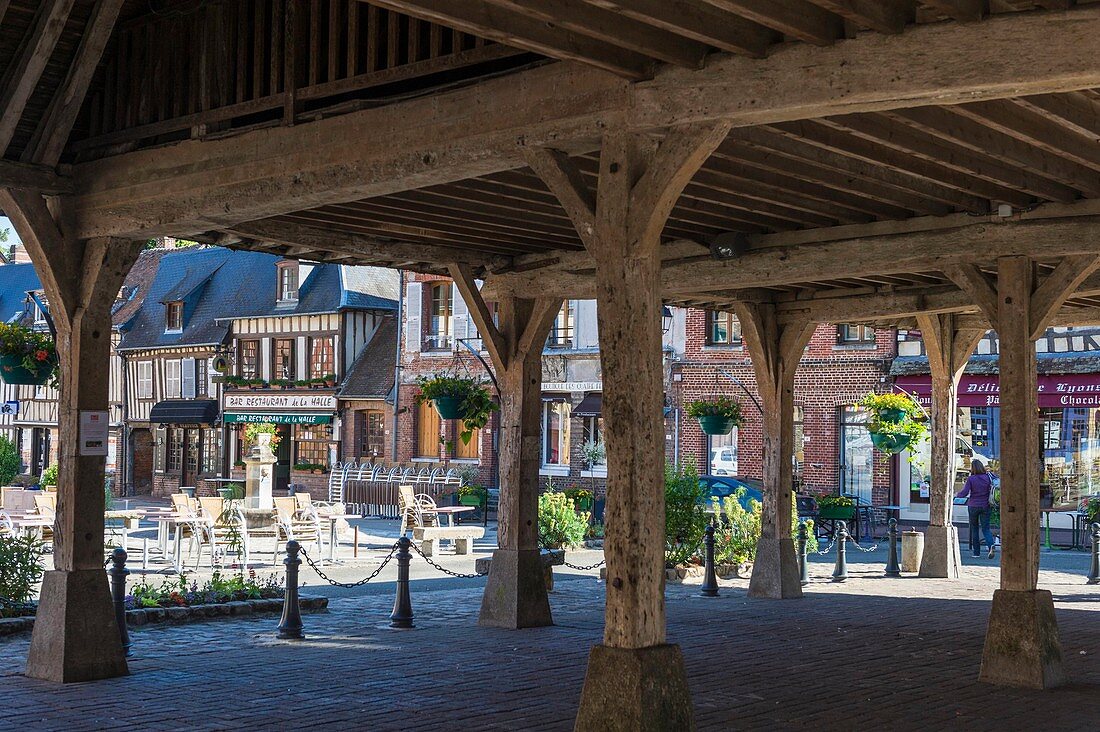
(1054, 390)
(268, 402)
(276, 418)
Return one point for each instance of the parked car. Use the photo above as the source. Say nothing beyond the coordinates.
(720, 486)
(723, 460)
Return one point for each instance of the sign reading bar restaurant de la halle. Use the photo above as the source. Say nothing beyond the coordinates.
(279, 408)
(1054, 390)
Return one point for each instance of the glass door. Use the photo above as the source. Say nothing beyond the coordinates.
(856, 454)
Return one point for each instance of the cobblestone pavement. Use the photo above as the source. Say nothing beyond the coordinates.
(895, 653)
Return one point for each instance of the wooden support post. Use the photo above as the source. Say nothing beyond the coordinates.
(1021, 643)
(76, 637)
(775, 348)
(515, 594)
(948, 349)
(635, 680)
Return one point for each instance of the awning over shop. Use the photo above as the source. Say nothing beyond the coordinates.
(277, 418)
(590, 406)
(1055, 390)
(185, 411)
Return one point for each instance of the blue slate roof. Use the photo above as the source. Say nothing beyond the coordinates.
(217, 285)
(1065, 362)
(16, 280)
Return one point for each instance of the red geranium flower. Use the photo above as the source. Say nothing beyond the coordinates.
(41, 355)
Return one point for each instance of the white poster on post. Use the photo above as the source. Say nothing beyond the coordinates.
(94, 428)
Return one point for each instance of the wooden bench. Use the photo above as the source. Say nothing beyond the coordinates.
(463, 537)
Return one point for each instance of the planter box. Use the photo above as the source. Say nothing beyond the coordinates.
(837, 513)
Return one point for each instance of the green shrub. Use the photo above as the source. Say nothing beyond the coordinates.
(20, 568)
(560, 525)
(685, 519)
(737, 529)
(49, 475)
(10, 463)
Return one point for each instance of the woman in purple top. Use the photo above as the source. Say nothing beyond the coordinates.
(978, 493)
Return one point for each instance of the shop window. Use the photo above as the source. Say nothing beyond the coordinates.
(322, 360)
(440, 312)
(172, 382)
(211, 450)
(372, 434)
(427, 431)
(144, 379)
(561, 334)
(173, 449)
(282, 359)
(173, 318)
(555, 433)
(250, 359)
(191, 454)
(852, 335)
(723, 329)
(593, 434)
(311, 443)
(288, 281)
(799, 444)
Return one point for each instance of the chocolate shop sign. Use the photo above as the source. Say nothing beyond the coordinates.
(276, 402)
(1054, 390)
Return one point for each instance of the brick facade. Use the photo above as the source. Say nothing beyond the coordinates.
(829, 377)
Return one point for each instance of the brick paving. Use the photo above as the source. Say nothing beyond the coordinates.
(899, 653)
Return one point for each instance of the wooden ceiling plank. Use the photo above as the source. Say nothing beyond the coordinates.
(974, 136)
(53, 130)
(964, 10)
(884, 16)
(613, 28)
(699, 22)
(504, 26)
(878, 128)
(1031, 127)
(756, 190)
(1078, 112)
(796, 18)
(23, 75)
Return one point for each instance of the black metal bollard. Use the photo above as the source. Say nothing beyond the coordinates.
(290, 625)
(119, 573)
(710, 579)
(840, 571)
(803, 566)
(402, 616)
(1094, 569)
(893, 568)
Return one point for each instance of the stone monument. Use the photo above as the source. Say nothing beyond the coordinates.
(259, 473)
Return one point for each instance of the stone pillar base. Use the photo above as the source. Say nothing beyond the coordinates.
(515, 593)
(1021, 643)
(75, 636)
(635, 690)
(775, 572)
(941, 553)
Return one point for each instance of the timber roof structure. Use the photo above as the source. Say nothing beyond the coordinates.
(867, 140)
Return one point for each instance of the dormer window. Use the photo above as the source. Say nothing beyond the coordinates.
(288, 281)
(173, 319)
(39, 313)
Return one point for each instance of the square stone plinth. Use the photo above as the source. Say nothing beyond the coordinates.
(1021, 643)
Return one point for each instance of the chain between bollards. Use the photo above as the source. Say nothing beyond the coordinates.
(710, 579)
(402, 616)
(1094, 569)
(893, 568)
(290, 625)
(119, 573)
(840, 571)
(803, 567)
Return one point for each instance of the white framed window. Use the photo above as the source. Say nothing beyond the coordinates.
(145, 380)
(288, 281)
(561, 334)
(555, 433)
(172, 383)
(440, 312)
(173, 317)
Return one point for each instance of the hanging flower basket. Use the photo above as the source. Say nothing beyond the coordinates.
(448, 407)
(26, 356)
(890, 443)
(716, 415)
(890, 414)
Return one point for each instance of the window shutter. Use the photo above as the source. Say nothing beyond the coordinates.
(414, 300)
(187, 378)
(160, 435)
(211, 385)
(460, 327)
(587, 333)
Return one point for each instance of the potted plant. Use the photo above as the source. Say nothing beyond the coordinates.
(716, 415)
(472, 495)
(302, 467)
(253, 430)
(239, 464)
(896, 422)
(836, 508)
(330, 380)
(301, 384)
(255, 384)
(456, 397)
(48, 481)
(27, 356)
(581, 498)
(317, 469)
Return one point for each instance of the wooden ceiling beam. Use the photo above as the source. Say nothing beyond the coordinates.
(1035, 129)
(699, 22)
(41, 178)
(613, 28)
(520, 30)
(1078, 112)
(796, 18)
(959, 9)
(22, 76)
(884, 16)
